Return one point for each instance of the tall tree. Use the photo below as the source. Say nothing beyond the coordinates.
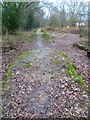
(11, 16)
(28, 15)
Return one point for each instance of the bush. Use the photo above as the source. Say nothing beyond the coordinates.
(83, 31)
(10, 42)
(10, 17)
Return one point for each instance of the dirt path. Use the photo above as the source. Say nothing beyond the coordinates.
(40, 87)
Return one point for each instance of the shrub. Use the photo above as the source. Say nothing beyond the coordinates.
(83, 31)
(9, 42)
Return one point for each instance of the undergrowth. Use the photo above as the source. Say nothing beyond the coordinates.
(83, 31)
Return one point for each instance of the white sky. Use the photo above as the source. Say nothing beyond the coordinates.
(51, 1)
(58, 1)
(62, 0)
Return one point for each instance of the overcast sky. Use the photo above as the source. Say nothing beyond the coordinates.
(51, 1)
(65, 0)
(56, 2)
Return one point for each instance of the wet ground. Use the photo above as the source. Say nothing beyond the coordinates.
(40, 88)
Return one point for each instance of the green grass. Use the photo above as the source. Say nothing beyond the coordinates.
(18, 33)
(24, 55)
(33, 36)
(0, 91)
(35, 30)
(57, 61)
(46, 35)
(8, 73)
(63, 34)
(0, 109)
(70, 70)
(27, 65)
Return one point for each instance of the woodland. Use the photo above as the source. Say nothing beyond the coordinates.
(45, 60)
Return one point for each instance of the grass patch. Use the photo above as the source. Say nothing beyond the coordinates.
(24, 55)
(27, 65)
(63, 34)
(57, 61)
(9, 42)
(0, 109)
(0, 91)
(35, 30)
(46, 35)
(18, 33)
(8, 73)
(70, 70)
(33, 36)
(63, 55)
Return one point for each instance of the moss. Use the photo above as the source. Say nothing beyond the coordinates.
(63, 34)
(0, 91)
(73, 65)
(35, 30)
(9, 71)
(81, 35)
(43, 29)
(46, 34)
(10, 66)
(27, 65)
(18, 33)
(33, 36)
(62, 54)
(70, 69)
(24, 55)
(59, 57)
(0, 109)
(71, 72)
(56, 61)
(82, 45)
